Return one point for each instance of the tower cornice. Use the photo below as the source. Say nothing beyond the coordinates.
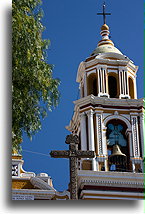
(86, 65)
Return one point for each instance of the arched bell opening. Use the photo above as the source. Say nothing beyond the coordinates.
(117, 146)
(131, 88)
(92, 85)
(113, 86)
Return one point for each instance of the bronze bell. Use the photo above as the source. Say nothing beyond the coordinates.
(117, 156)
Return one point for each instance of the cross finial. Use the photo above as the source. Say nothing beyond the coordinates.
(104, 13)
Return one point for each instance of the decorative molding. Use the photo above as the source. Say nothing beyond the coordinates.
(116, 179)
(109, 182)
(110, 195)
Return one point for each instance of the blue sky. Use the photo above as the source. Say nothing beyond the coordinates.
(74, 31)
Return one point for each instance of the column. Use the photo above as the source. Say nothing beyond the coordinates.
(135, 88)
(106, 165)
(105, 148)
(99, 88)
(120, 84)
(85, 86)
(102, 80)
(83, 135)
(127, 85)
(104, 141)
(91, 136)
(107, 85)
(80, 88)
(83, 132)
(129, 134)
(124, 82)
(105, 82)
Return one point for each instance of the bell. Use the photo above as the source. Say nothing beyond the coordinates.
(117, 156)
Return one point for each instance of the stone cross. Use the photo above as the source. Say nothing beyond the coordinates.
(73, 154)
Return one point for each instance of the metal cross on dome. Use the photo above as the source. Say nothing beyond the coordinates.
(104, 13)
(73, 154)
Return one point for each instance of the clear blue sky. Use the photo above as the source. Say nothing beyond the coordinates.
(74, 30)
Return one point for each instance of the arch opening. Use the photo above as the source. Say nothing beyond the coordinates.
(131, 88)
(117, 146)
(112, 84)
(92, 85)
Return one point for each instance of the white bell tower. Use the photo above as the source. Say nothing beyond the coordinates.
(108, 108)
(109, 119)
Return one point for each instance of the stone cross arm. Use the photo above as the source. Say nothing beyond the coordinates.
(85, 154)
(68, 154)
(60, 154)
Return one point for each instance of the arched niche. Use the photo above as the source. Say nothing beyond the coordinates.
(92, 84)
(117, 117)
(131, 88)
(113, 85)
(117, 138)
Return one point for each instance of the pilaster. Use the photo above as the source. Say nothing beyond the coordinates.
(102, 81)
(99, 134)
(135, 136)
(123, 82)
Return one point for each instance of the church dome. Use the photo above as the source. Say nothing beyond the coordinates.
(105, 45)
(106, 48)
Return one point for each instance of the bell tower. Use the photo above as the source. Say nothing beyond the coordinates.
(108, 117)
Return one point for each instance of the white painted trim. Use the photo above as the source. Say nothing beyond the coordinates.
(111, 117)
